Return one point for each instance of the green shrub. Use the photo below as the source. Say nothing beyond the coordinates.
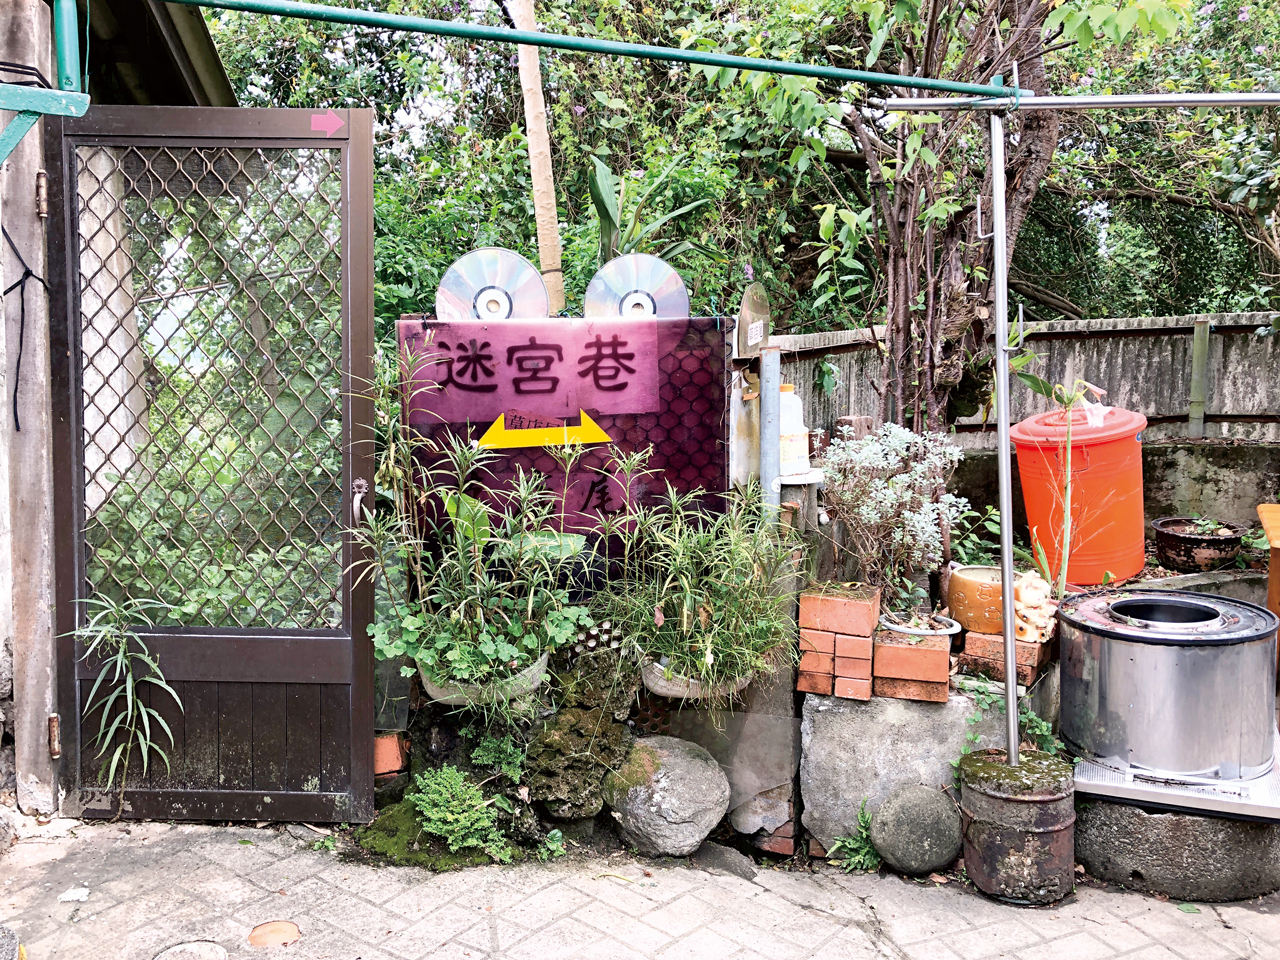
(452, 807)
(501, 755)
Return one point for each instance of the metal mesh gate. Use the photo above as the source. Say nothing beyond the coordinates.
(210, 289)
(214, 280)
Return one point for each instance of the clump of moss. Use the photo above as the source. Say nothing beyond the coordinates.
(1037, 773)
(642, 765)
(397, 836)
(602, 678)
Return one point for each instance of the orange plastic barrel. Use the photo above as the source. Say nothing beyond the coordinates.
(1106, 491)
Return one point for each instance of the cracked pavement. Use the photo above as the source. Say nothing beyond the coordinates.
(154, 885)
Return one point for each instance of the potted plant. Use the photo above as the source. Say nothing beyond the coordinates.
(698, 594)
(473, 581)
(886, 495)
(1195, 543)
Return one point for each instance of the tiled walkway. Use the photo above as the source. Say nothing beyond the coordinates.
(155, 885)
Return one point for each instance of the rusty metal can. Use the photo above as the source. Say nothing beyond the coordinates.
(1019, 825)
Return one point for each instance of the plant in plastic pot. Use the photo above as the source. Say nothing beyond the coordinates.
(698, 593)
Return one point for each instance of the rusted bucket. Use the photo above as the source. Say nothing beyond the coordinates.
(1019, 825)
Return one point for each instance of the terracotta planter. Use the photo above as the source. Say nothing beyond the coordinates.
(677, 687)
(848, 608)
(912, 666)
(1180, 545)
(475, 694)
(390, 753)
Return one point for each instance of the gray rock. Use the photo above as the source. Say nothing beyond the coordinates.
(1177, 854)
(8, 944)
(867, 748)
(724, 861)
(8, 830)
(917, 830)
(668, 796)
(8, 769)
(765, 811)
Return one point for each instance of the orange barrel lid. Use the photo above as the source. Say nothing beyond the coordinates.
(1050, 428)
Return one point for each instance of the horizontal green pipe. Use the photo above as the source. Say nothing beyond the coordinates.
(472, 31)
(66, 30)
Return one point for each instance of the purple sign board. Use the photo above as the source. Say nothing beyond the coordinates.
(523, 385)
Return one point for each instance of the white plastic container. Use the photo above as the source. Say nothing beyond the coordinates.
(794, 444)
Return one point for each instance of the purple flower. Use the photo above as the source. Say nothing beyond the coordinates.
(1086, 81)
(1207, 9)
(579, 109)
(1260, 49)
(1243, 15)
(1092, 72)
(751, 274)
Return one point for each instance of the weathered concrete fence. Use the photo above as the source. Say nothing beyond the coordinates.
(1144, 364)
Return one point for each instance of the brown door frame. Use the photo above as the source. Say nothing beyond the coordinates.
(340, 657)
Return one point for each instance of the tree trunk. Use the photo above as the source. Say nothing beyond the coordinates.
(544, 187)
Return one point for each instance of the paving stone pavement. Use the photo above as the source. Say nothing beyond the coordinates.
(154, 885)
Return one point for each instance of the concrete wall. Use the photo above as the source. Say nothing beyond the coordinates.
(1143, 363)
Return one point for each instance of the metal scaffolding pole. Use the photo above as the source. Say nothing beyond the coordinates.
(475, 31)
(1140, 101)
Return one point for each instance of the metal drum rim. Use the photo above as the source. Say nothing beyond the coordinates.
(1267, 631)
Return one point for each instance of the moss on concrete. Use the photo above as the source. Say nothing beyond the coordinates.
(397, 837)
(643, 764)
(570, 757)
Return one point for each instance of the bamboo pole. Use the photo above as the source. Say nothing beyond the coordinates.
(544, 185)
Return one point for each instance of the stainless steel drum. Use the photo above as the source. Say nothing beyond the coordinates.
(1166, 684)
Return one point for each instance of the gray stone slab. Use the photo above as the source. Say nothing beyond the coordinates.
(856, 749)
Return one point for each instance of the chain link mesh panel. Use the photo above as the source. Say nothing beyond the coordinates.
(211, 333)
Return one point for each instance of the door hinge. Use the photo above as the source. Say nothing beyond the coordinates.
(42, 194)
(55, 736)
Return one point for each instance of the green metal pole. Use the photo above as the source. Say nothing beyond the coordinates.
(66, 30)
(472, 31)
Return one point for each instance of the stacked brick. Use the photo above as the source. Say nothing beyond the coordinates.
(984, 656)
(911, 668)
(835, 643)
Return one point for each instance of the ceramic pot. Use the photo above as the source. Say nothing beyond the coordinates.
(477, 694)
(973, 598)
(682, 688)
(1180, 545)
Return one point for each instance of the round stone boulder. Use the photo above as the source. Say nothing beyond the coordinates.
(1177, 854)
(917, 830)
(668, 796)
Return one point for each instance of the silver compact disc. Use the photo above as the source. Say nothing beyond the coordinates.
(491, 284)
(636, 286)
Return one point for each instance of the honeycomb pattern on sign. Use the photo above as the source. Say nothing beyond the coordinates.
(689, 434)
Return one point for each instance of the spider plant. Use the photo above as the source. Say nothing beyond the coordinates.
(128, 723)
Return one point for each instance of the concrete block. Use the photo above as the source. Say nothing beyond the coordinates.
(855, 749)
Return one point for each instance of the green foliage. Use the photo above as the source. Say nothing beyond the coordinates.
(552, 846)
(453, 808)
(501, 755)
(856, 853)
(699, 591)
(826, 376)
(128, 682)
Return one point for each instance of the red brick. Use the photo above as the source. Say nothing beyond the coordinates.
(929, 659)
(995, 668)
(910, 689)
(817, 663)
(788, 829)
(840, 614)
(817, 641)
(814, 683)
(853, 669)
(816, 849)
(853, 689)
(991, 647)
(783, 846)
(848, 646)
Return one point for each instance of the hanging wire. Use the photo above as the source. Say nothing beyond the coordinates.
(21, 286)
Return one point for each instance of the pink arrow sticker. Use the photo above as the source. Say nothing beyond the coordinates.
(329, 122)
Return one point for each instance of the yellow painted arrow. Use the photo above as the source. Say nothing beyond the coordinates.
(499, 437)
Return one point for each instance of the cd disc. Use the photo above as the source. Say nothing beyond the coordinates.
(491, 284)
(637, 286)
